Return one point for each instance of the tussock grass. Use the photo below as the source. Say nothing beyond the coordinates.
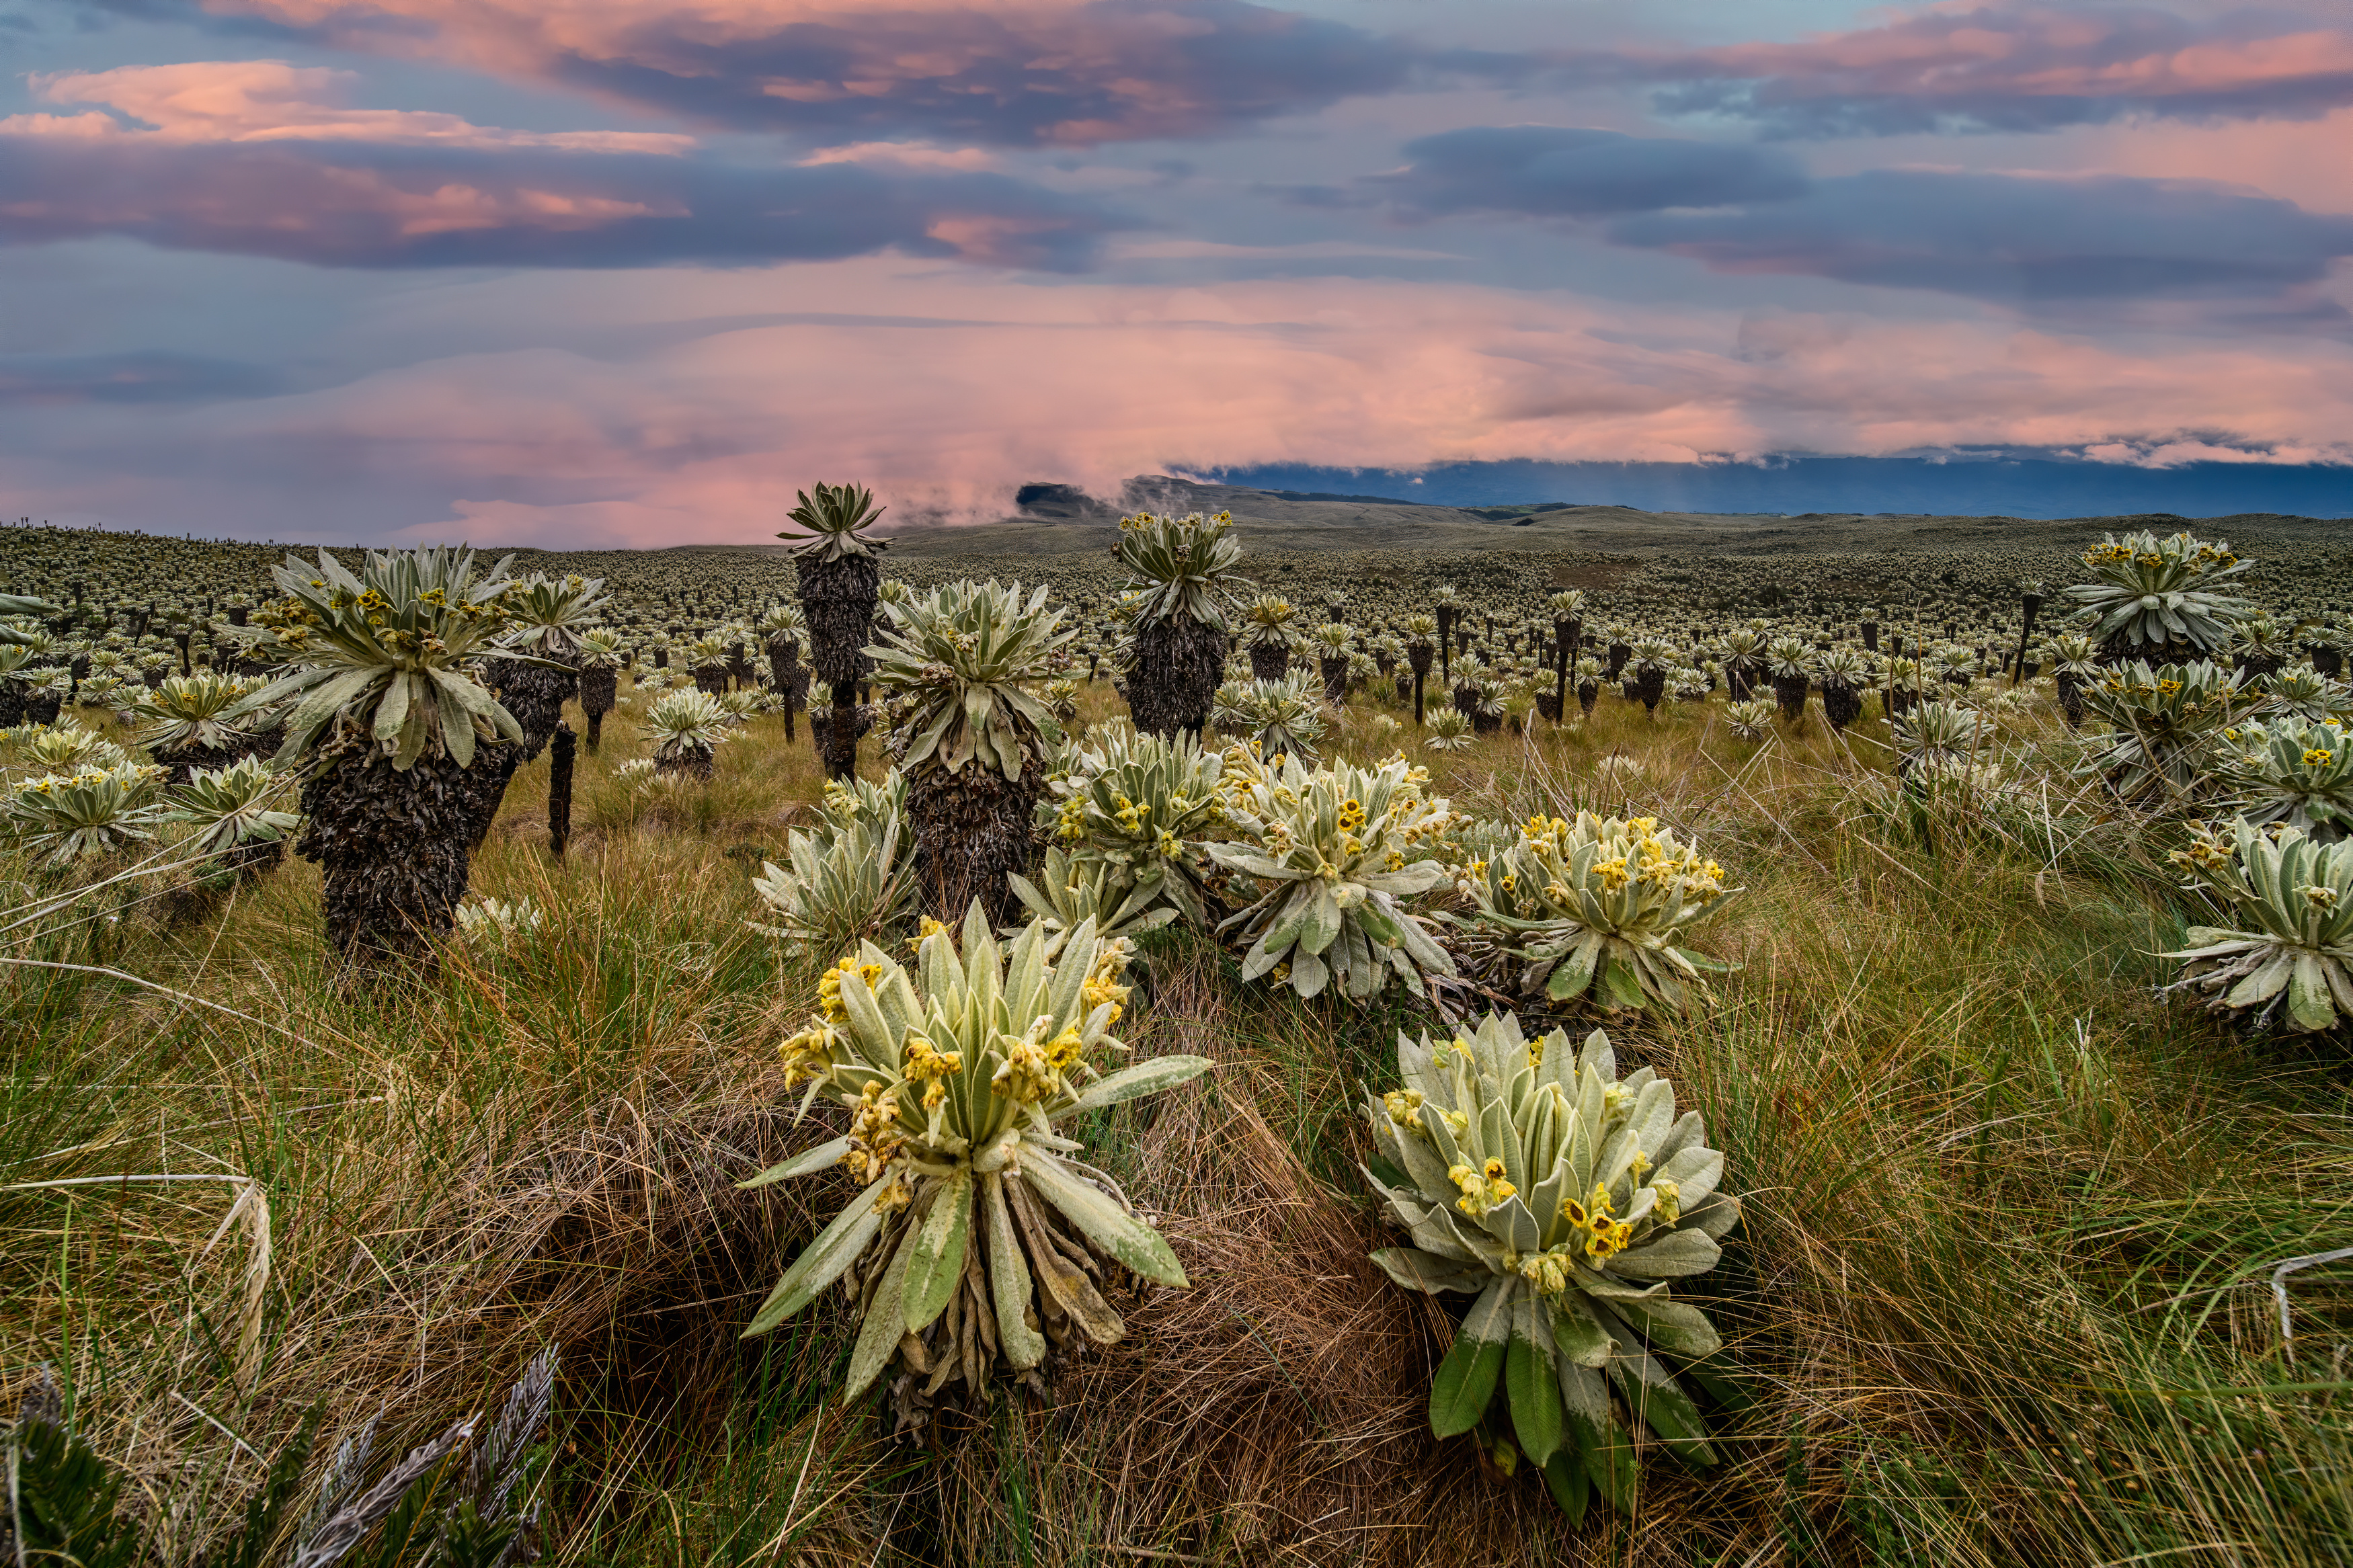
(2002, 1294)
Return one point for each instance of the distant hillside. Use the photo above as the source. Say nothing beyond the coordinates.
(1060, 519)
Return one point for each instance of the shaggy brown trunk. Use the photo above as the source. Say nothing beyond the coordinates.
(598, 686)
(1416, 657)
(1618, 654)
(1790, 692)
(695, 762)
(484, 786)
(858, 720)
(1588, 692)
(535, 696)
(1649, 684)
(1270, 660)
(1336, 680)
(559, 791)
(185, 760)
(838, 597)
(1174, 678)
(972, 832)
(393, 850)
(12, 703)
(2328, 661)
(2071, 698)
(1445, 642)
(711, 679)
(1565, 636)
(1842, 705)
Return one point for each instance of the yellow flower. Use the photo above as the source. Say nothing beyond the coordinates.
(2317, 757)
(1063, 1050)
(1670, 1206)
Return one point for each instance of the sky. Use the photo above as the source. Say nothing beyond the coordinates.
(584, 273)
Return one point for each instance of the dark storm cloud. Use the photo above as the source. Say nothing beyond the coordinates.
(353, 205)
(1565, 171)
(150, 377)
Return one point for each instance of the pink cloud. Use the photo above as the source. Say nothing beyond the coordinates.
(946, 393)
(272, 100)
(2017, 65)
(1063, 72)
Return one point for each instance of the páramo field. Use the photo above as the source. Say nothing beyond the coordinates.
(1181, 1053)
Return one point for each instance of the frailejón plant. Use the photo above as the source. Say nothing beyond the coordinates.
(977, 1225)
(1564, 1199)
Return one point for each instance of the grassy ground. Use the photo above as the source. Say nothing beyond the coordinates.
(2002, 1295)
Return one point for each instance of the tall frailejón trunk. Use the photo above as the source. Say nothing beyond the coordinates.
(598, 686)
(1842, 704)
(535, 697)
(1178, 662)
(788, 676)
(972, 831)
(559, 790)
(1270, 659)
(838, 597)
(392, 847)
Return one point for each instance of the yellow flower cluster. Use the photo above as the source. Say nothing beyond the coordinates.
(1482, 1189)
(926, 1064)
(2207, 852)
(807, 1053)
(1404, 1106)
(874, 1136)
(828, 986)
(1103, 983)
(2318, 756)
(1605, 1237)
(1033, 1069)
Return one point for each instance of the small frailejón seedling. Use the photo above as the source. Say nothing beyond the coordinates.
(1565, 1200)
(975, 1237)
(2291, 938)
(1330, 850)
(1594, 908)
